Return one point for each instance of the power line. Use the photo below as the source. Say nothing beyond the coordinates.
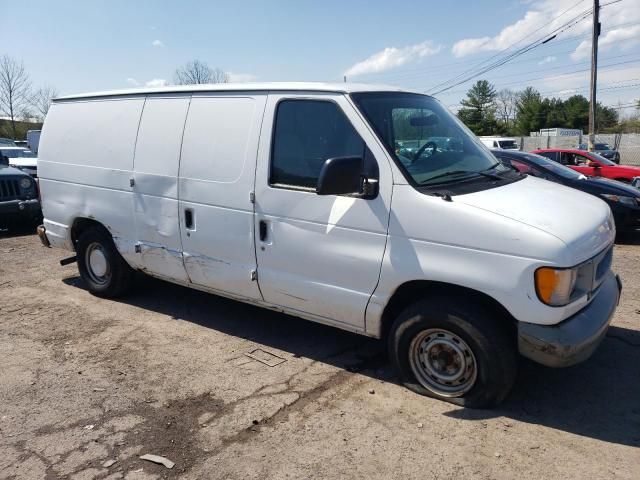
(428, 69)
(520, 82)
(447, 85)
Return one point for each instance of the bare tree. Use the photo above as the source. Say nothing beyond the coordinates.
(197, 72)
(14, 90)
(506, 105)
(41, 100)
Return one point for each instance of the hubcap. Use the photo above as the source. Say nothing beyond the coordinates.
(97, 264)
(443, 362)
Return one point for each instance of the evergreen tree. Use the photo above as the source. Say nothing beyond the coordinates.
(478, 112)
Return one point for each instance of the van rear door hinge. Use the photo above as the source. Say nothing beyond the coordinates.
(254, 275)
(252, 197)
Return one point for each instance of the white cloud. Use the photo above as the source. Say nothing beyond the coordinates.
(392, 57)
(240, 77)
(157, 44)
(548, 59)
(545, 12)
(156, 82)
(629, 37)
(132, 81)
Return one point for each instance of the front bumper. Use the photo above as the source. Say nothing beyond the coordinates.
(576, 338)
(21, 208)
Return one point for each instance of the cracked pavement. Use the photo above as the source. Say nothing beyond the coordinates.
(86, 381)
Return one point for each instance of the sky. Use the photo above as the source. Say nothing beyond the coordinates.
(81, 46)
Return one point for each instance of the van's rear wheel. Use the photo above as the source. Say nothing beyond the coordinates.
(455, 351)
(101, 266)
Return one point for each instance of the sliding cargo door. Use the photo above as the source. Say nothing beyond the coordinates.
(217, 170)
(155, 185)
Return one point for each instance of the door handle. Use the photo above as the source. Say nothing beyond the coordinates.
(262, 226)
(188, 218)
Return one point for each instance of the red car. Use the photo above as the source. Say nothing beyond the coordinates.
(590, 164)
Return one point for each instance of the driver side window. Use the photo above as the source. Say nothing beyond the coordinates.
(580, 160)
(567, 158)
(306, 134)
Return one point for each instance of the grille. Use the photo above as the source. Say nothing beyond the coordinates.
(604, 266)
(9, 190)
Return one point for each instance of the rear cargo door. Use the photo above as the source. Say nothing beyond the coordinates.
(217, 171)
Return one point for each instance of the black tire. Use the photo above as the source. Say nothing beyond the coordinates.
(117, 279)
(470, 326)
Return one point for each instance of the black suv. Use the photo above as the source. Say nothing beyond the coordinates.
(18, 196)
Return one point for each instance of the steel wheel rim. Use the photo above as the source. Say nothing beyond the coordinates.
(97, 264)
(443, 362)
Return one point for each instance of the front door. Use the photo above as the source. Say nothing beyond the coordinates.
(318, 255)
(217, 172)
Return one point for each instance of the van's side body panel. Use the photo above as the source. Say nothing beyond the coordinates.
(85, 167)
(495, 252)
(155, 189)
(322, 254)
(217, 171)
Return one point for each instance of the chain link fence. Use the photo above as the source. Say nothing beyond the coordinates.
(628, 144)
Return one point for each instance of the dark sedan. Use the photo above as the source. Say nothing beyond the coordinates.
(623, 199)
(603, 149)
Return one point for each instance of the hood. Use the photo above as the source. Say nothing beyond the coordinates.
(629, 169)
(14, 172)
(605, 185)
(581, 221)
(23, 162)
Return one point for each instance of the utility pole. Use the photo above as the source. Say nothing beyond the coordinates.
(594, 73)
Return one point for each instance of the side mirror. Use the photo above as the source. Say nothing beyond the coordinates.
(340, 176)
(593, 164)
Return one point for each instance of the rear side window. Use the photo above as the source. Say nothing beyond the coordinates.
(523, 167)
(550, 155)
(306, 134)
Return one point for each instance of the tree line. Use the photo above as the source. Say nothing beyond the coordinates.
(19, 101)
(507, 112)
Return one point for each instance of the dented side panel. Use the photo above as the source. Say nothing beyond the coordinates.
(155, 189)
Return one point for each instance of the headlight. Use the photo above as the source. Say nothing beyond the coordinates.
(555, 286)
(560, 286)
(630, 201)
(25, 183)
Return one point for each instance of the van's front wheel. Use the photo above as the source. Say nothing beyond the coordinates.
(101, 266)
(454, 351)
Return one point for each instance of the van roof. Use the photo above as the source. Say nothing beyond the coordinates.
(243, 87)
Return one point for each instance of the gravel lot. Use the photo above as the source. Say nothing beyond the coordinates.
(165, 371)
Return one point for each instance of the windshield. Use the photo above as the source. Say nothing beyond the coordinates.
(18, 153)
(430, 143)
(553, 167)
(602, 160)
(508, 144)
(602, 146)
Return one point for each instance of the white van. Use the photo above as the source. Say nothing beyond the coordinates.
(503, 143)
(297, 197)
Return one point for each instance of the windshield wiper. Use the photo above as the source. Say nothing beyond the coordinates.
(448, 173)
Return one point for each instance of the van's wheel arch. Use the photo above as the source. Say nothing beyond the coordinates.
(101, 266)
(454, 350)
